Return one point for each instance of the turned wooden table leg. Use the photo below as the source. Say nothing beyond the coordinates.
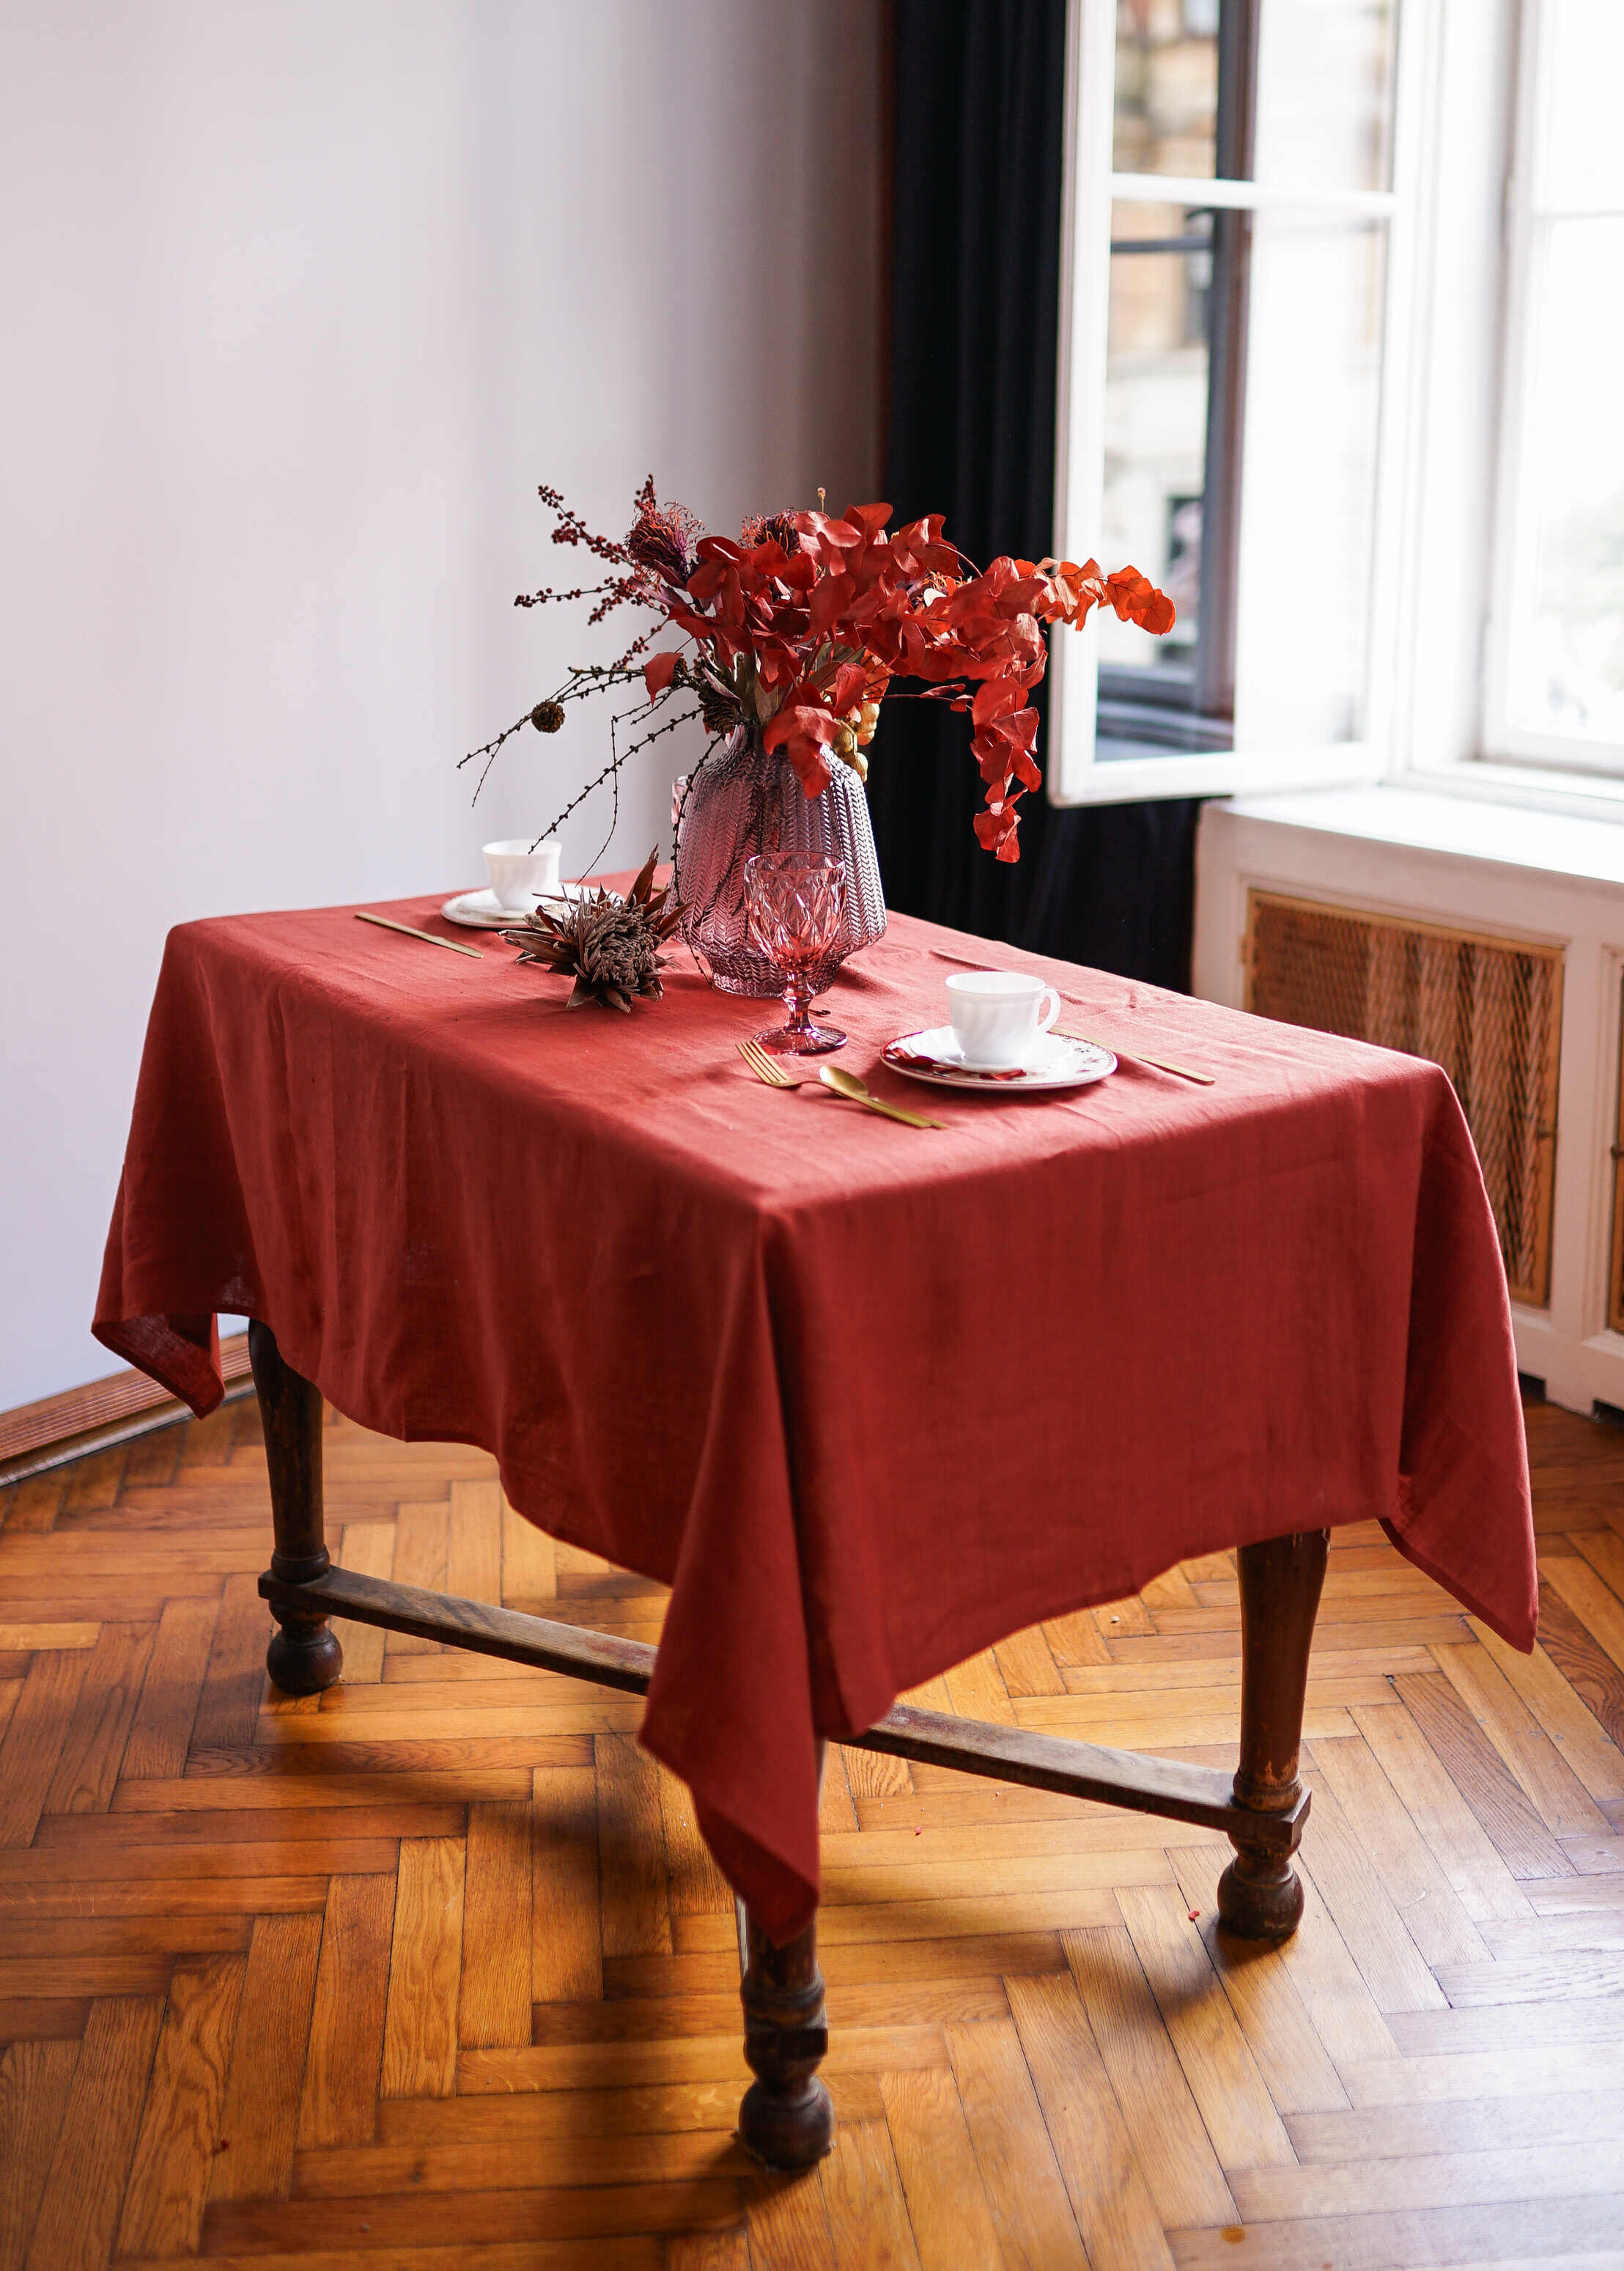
(787, 2119)
(1259, 1895)
(304, 1655)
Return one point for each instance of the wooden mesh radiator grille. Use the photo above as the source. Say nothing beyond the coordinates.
(1488, 1009)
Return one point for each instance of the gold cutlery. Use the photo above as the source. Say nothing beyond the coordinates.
(834, 1078)
(1162, 1064)
(427, 936)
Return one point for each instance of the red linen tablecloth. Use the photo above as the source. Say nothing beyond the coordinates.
(867, 1399)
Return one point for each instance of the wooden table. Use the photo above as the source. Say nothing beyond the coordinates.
(787, 2117)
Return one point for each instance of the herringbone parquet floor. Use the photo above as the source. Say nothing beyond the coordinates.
(433, 1970)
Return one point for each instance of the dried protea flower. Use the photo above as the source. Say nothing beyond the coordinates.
(769, 528)
(609, 946)
(664, 544)
(547, 717)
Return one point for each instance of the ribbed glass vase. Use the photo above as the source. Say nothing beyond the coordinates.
(743, 799)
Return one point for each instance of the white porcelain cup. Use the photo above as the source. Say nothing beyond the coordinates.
(520, 875)
(998, 1014)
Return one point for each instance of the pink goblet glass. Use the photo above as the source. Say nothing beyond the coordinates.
(797, 900)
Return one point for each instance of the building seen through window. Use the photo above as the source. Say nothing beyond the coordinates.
(1242, 361)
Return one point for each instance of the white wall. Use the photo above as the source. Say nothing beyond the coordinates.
(301, 299)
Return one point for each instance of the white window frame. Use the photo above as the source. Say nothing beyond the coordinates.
(1074, 775)
(1529, 217)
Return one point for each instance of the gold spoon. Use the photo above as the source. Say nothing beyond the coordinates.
(847, 1084)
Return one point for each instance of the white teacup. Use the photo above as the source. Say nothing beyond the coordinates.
(998, 1014)
(521, 875)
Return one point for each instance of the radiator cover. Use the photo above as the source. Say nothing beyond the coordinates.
(1488, 1009)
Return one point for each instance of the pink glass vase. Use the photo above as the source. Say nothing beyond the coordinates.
(742, 800)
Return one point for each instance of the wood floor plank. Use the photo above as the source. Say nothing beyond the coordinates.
(39, 2018)
(235, 1679)
(426, 1961)
(23, 1639)
(1560, 1977)
(30, 1509)
(93, 1745)
(1529, 2070)
(1246, 2131)
(78, 2214)
(1036, 2228)
(542, 2164)
(1593, 1754)
(161, 1730)
(1480, 1774)
(977, 1691)
(368, 2222)
(947, 2204)
(1587, 2117)
(1291, 2057)
(1593, 1674)
(422, 1530)
(368, 1548)
(339, 2099)
(567, 1949)
(260, 2121)
(1075, 1639)
(1026, 1666)
(1535, 2173)
(1422, 1896)
(1106, 2188)
(34, 1737)
(175, 2148)
(708, 2251)
(1546, 1780)
(493, 2004)
(1165, 2128)
(1483, 1884)
(474, 1542)
(1507, 2237)
(860, 2191)
(35, 2078)
(694, 1885)
(528, 1563)
(1388, 1959)
(633, 1891)
(872, 1774)
(1345, 2013)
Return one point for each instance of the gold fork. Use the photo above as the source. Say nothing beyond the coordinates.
(769, 1068)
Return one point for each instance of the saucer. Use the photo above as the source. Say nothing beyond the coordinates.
(484, 910)
(1052, 1062)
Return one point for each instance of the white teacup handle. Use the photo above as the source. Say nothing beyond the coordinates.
(1046, 1018)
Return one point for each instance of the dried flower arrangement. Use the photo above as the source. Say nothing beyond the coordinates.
(609, 945)
(803, 627)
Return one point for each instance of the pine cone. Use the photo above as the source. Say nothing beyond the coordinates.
(609, 946)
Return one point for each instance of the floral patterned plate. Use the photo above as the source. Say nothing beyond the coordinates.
(1053, 1062)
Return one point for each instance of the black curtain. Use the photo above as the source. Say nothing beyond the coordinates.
(978, 95)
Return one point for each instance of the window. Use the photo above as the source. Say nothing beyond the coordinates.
(1556, 642)
(1342, 357)
(1228, 276)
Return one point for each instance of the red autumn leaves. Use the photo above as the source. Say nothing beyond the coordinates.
(830, 623)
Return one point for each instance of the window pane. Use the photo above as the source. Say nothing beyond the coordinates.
(1167, 86)
(1566, 664)
(1307, 481)
(1155, 424)
(1583, 143)
(1325, 93)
